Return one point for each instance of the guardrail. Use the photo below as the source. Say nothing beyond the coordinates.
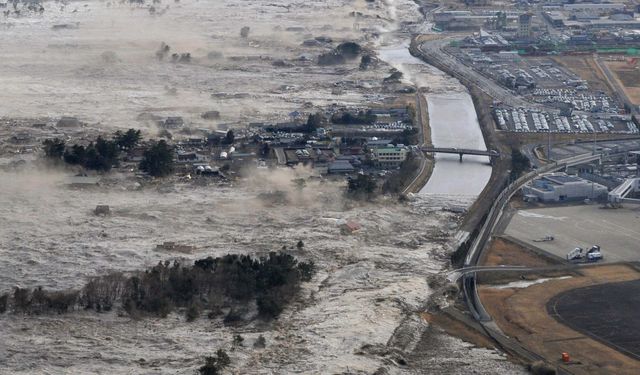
(495, 213)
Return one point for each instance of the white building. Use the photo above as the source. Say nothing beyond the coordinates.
(389, 157)
(558, 187)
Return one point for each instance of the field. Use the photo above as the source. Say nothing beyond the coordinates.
(606, 312)
(628, 77)
(520, 310)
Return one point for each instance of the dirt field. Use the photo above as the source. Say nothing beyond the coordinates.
(586, 68)
(522, 314)
(503, 251)
(628, 77)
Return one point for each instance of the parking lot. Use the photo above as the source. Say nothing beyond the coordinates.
(617, 231)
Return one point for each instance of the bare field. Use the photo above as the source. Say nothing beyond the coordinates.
(502, 251)
(521, 313)
(628, 77)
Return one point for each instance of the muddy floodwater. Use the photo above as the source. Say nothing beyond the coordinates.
(97, 61)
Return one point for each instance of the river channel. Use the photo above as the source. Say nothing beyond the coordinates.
(453, 123)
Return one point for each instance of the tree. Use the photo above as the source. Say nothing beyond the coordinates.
(209, 367)
(158, 160)
(223, 358)
(260, 342)
(77, 155)
(54, 148)
(314, 121)
(238, 340)
(193, 312)
(519, 163)
(363, 186)
(215, 364)
(300, 245)
(307, 269)
(127, 140)
(229, 137)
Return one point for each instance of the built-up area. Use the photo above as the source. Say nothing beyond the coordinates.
(547, 54)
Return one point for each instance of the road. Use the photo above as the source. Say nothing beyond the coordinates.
(420, 179)
(613, 82)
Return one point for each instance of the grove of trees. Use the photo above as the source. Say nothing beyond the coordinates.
(100, 155)
(233, 283)
(158, 160)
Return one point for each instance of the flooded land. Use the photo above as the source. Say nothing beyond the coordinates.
(107, 64)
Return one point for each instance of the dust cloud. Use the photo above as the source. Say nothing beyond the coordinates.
(103, 69)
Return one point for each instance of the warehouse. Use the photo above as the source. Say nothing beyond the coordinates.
(560, 187)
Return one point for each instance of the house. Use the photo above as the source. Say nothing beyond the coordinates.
(341, 167)
(173, 122)
(68, 122)
(349, 227)
(189, 157)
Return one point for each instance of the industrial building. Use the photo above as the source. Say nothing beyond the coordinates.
(389, 157)
(559, 187)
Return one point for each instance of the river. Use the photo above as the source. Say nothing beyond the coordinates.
(453, 123)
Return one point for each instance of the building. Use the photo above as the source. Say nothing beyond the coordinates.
(559, 187)
(599, 9)
(388, 157)
(341, 167)
(524, 26)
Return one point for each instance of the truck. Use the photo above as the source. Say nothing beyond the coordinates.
(594, 254)
(575, 254)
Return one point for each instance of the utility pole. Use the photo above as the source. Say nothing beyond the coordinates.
(549, 145)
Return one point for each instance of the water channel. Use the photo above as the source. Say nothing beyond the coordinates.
(453, 123)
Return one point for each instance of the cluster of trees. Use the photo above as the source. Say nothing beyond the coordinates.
(158, 159)
(519, 163)
(102, 155)
(314, 121)
(361, 117)
(340, 54)
(399, 179)
(363, 186)
(409, 136)
(231, 282)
